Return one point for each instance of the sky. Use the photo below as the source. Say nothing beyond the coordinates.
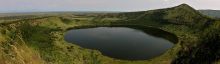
(100, 5)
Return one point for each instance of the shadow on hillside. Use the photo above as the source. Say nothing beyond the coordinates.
(206, 53)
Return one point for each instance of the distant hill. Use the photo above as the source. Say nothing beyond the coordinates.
(54, 13)
(182, 14)
(212, 13)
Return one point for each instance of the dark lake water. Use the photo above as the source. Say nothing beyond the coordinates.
(121, 42)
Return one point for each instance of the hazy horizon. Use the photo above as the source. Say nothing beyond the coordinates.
(10, 6)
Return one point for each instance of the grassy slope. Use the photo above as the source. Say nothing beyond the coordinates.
(14, 50)
(41, 40)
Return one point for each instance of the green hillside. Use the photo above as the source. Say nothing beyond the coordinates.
(39, 40)
(182, 14)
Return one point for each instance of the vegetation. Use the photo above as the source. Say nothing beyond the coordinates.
(40, 40)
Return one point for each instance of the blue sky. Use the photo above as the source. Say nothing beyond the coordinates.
(100, 5)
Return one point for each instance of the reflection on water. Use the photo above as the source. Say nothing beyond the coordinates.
(119, 42)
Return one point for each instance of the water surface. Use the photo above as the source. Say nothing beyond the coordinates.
(120, 42)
